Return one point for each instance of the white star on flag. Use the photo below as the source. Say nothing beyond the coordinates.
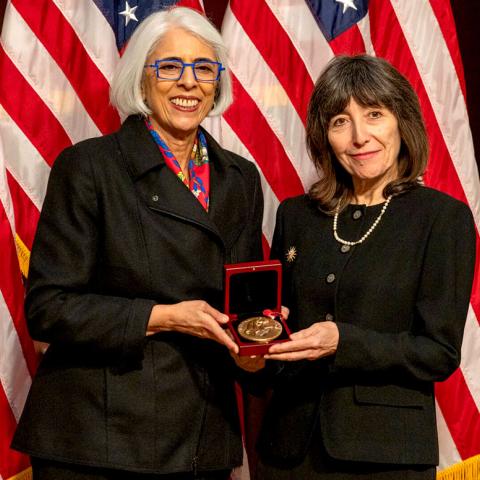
(347, 4)
(129, 13)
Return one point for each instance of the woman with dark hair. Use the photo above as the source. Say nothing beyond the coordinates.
(126, 275)
(378, 271)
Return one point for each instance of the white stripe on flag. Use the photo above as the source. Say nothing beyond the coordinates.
(94, 32)
(470, 363)
(301, 27)
(448, 451)
(364, 27)
(261, 84)
(22, 160)
(14, 375)
(44, 75)
(243, 472)
(271, 202)
(439, 77)
(5, 197)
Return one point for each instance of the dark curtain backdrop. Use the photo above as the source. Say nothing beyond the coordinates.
(467, 18)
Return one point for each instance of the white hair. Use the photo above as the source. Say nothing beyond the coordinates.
(126, 86)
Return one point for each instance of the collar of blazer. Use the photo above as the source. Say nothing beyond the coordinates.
(163, 193)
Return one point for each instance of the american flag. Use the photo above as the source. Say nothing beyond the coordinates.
(56, 61)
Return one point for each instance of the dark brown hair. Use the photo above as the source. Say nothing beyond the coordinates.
(370, 81)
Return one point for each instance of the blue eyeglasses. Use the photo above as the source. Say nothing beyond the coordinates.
(203, 70)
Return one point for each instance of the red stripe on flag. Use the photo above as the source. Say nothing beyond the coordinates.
(280, 55)
(26, 213)
(266, 247)
(349, 42)
(443, 13)
(246, 120)
(195, 4)
(460, 412)
(72, 58)
(12, 462)
(13, 291)
(29, 112)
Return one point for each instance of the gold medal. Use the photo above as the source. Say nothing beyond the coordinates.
(260, 329)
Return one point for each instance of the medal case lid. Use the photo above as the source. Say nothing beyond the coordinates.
(254, 289)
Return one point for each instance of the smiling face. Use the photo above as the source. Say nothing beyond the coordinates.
(366, 142)
(178, 106)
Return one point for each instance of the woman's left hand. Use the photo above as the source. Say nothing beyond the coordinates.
(317, 341)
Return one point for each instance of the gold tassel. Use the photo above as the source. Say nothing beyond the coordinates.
(23, 254)
(25, 475)
(466, 470)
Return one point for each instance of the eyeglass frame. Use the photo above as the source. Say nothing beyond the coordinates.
(155, 65)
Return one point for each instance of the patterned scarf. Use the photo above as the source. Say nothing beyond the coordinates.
(198, 165)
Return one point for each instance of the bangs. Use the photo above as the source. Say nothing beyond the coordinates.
(357, 81)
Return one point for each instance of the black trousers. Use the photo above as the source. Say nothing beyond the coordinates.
(50, 470)
(336, 470)
(318, 465)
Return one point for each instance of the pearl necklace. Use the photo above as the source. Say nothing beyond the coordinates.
(367, 233)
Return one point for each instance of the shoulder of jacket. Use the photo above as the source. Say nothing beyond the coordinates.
(87, 152)
(242, 162)
(428, 197)
(301, 204)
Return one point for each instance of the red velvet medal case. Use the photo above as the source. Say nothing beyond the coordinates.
(254, 289)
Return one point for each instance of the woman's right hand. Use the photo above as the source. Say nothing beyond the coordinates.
(192, 317)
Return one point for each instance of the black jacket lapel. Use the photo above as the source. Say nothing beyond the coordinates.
(228, 194)
(162, 192)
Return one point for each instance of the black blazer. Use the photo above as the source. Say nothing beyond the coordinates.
(119, 233)
(400, 301)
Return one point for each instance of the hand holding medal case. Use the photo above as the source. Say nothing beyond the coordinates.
(253, 304)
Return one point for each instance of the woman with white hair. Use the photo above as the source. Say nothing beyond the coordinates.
(126, 275)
